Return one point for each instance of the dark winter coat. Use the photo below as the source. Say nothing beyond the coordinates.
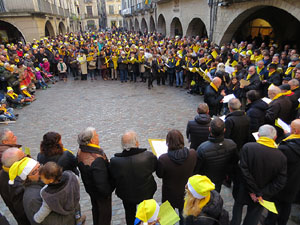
(33, 199)
(255, 84)
(256, 111)
(12, 195)
(263, 172)
(216, 158)
(197, 130)
(132, 172)
(121, 64)
(175, 168)
(212, 98)
(237, 127)
(67, 161)
(93, 165)
(211, 214)
(291, 149)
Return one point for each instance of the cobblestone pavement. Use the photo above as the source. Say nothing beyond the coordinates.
(112, 108)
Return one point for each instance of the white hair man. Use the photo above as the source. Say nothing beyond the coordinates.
(132, 172)
(280, 107)
(263, 169)
(93, 165)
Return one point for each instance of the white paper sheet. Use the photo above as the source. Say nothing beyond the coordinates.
(160, 147)
(266, 100)
(222, 117)
(255, 135)
(229, 69)
(298, 99)
(284, 126)
(209, 76)
(227, 98)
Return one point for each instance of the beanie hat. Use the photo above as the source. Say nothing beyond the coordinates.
(23, 87)
(21, 168)
(9, 89)
(147, 211)
(200, 186)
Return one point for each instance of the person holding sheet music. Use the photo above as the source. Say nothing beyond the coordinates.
(170, 64)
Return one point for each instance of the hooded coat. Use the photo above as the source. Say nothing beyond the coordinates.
(256, 111)
(197, 130)
(175, 168)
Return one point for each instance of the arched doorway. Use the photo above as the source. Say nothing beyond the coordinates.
(144, 26)
(131, 25)
(9, 33)
(196, 28)
(136, 25)
(176, 27)
(49, 31)
(61, 28)
(161, 24)
(152, 24)
(264, 24)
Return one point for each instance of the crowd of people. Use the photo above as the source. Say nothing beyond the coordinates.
(249, 149)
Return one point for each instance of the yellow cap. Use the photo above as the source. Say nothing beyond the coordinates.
(200, 186)
(9, 89)
(147, 211)
(23, 87)
(21, 168)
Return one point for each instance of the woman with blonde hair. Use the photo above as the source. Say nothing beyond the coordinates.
(203, 205)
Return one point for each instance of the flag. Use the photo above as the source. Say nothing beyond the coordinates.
(146, 2)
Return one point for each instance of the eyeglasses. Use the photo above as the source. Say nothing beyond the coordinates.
(34, 172)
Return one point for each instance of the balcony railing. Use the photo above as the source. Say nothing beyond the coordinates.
(61, 11)
(18, 6)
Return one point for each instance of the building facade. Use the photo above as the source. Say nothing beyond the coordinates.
(24, 20)
(89, 14)
(114, 18)
(220, 20)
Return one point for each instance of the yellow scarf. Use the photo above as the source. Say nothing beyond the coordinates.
(271, 73)
(292, 136)
(13, 95)
(278, 96)
(65, 150)
(267, 142)
(289, 69)
(27, 93)
(259, 69)
(94, 146)
(178, 62)
(248, 77)
(208, 61)
(6, 169)
(213, 86)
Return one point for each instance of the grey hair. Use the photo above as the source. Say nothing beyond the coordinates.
(10, 156)
(234, 104)
(86, 136)
(294, 82)
(267, 131)
(3, 135)
(129, 143)
(274, 89)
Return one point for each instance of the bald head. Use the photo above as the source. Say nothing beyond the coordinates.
(273, 91)
(129, 140)
(11, 155)
(217, 82)
(295, 126)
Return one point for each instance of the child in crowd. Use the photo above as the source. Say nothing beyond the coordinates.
(7, 113)
(46, 65)
(62, 69)
(28, 97)
(61, 193)
(40, 79)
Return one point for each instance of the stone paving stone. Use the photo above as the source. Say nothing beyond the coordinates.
(112, 108)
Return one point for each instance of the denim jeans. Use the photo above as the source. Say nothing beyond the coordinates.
(9, 114)
(92, 73)
(179, 78)
(123, 75)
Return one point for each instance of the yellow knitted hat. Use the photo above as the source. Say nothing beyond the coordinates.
(147, 211)
(21, 168)
(200, 186)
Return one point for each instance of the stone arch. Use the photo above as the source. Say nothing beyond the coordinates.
(281, 20)
(144, 27)
(10, 33)
(152, 24)
(68, 29)
(49, 30)
(176, 27)
(61, 28)
(196, 28)
(131, 25)
(136, 25)
(161, 24)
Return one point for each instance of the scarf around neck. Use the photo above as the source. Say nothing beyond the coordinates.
(267, 142)
(213, 86)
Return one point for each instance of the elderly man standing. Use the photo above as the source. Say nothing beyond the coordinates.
(197, 130)
(12, 195)
(8, 140)
(263, 171)
(213, 96)
(93, 166)
(290, 147)
(132, 171)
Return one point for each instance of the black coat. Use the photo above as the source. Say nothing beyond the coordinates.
(256, 111)
(12, 195)
(216, 158)
(94, 170)
(132, 172)
(175, 168)
(67, 161)
(197, 130)
(237, 128)
(212, 98)
(211, 214)
(291, 149)
(263, 172)
(254, 83)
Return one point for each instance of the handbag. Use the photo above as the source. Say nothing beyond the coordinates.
(92, 63)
